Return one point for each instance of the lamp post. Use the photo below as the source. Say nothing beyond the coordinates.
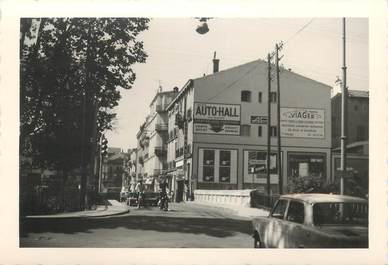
(344, 114)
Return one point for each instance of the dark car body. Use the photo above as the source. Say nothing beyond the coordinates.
(150, 198)
(314, 221)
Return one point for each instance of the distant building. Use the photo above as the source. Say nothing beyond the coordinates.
(113, 170)
(218, 130)
(358, 117)
(357, 141)
(152, 139)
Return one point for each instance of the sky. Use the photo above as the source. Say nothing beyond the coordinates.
(177, 53)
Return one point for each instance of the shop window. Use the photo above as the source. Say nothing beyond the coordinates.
(272, 97)
(224, 166)
(208, 165)
(274, 131)
(260, 131)
(306, 165)
(245, 96)
(260, 97)
(245, 130)
(257, 162)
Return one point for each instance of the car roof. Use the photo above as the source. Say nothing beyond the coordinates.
(322, 198)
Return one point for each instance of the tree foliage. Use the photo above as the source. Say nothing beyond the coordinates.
(72, 70)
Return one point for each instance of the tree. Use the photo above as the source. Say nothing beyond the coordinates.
(72, 70)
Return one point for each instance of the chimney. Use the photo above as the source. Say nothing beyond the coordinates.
(216, 64)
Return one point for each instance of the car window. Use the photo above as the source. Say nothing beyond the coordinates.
(295, 212)
(340, 214)
(280, 209)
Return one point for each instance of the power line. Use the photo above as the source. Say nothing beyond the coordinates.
(299, 31)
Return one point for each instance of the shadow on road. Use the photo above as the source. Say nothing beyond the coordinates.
(216, 227)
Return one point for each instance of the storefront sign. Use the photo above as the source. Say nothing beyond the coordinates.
(209, 128)
(213, 111)
(259, 119)
(302, 123)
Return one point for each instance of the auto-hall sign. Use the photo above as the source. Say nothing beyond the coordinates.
(302, 122)
(213, 118)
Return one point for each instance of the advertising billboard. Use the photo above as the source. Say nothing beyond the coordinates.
(302, 123)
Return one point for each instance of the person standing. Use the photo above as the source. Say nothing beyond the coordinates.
(140, 192)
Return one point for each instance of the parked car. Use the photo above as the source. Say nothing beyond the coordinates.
(313, 221)
(150, 198)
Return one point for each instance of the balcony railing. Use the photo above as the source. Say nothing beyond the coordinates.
(160, 150)
(161, 127)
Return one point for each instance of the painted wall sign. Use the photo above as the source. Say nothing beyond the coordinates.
(217, 128)
(259, 119)
(302, 123)
(213, 111)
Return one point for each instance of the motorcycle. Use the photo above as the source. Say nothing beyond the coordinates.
(163, 202)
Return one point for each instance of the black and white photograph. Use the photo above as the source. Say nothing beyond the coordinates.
(226, 133)
(200, 132)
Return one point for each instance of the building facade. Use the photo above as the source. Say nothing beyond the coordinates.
(152, 139)
(358, 117)
(218, 130)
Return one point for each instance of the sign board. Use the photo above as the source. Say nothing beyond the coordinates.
(229, 113)
(302, 123)
(259, 119)
(209, 128)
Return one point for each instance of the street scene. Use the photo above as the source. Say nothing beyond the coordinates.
(194, 133)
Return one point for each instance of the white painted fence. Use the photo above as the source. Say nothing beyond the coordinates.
(229, 197)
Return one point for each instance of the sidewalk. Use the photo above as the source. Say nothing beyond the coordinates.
(237, 209)
(115, 208)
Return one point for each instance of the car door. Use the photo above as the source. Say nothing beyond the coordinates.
(296, 232)
(273, 236)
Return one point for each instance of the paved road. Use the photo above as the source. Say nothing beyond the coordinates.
(186, 225)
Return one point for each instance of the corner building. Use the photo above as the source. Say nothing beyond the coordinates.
(218, 129)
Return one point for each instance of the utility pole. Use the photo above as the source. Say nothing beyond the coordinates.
(269, 132)
(279, 154)
(344, 114)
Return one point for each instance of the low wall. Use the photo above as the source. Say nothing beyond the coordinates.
(231, 197)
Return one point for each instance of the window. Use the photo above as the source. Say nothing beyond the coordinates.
(208, 165)
(260, 97)
(260, 131)
(306, 165)
(245, 130)
(246, 96)
(224, 166)
(361, 135)
(257, 162)
(295, 212)
(274, 131)
(280, 209)
(272, 97)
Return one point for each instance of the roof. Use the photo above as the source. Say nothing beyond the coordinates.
(172, 92)
(354, 94)
(249, 65)
(358, 94)
(322, 198)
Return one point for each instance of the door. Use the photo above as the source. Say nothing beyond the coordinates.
(296, 231)
(273, 236)
(179, 191)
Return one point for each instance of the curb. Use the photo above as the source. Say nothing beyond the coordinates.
(75, 217)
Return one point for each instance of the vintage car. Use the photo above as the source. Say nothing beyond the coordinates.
(313, 221)
(150, 198)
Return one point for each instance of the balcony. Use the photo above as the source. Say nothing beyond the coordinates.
(160, 150)
(160, 108)
(161, 127)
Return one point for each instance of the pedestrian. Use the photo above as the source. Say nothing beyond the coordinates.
(140, 191)
(186, 191)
